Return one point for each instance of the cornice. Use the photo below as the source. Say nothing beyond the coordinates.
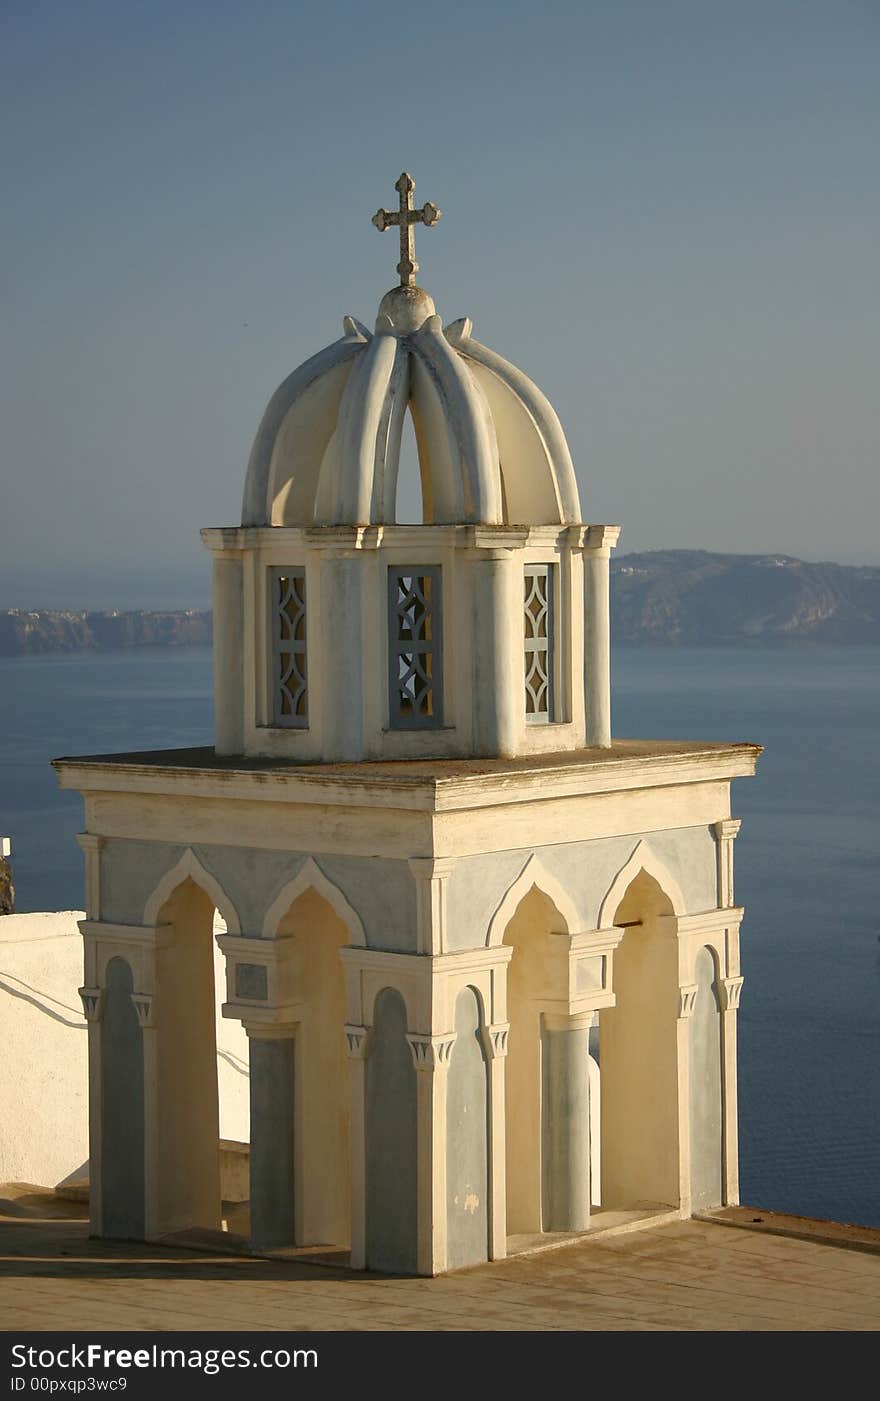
(430, 786)
(235, 539)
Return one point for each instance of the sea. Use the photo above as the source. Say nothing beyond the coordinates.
(807, 862)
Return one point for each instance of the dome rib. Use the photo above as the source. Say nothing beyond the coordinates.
(472, 452)
(540, 410)
(256, 505)
(347, 485)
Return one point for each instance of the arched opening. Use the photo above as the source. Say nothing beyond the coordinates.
(409, 503)
(391, 1140)
(321, 1091)
(533, 975)
(233, 1089)
(187, 1112)
(638, 1056)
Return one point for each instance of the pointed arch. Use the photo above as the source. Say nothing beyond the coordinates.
(641, 859)
(534, 875)
(189, 867)
(311, 877)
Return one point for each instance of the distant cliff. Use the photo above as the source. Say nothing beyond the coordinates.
(694, 598)
(688, 598)
(55, 631)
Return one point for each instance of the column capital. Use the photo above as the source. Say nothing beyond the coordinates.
(431, 1052)
(146, 936)
(570, 1021)
(143, 1003)
(600, 540)
(495, 1039)
(270, 1031)
(431, 867)
(356, 1041)
(342, 541)
(93, 1003)
(687, 1000)
(495, 542)
(260, 984)
(89, 841)
(258, 947)
(727, 828)
(730, 990)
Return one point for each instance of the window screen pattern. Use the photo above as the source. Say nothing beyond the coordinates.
(538, 620)
(291, 660)
(415, 690)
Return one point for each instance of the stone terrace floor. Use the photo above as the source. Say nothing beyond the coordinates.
(690, 1275)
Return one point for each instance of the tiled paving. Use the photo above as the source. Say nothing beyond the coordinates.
(687, 1275)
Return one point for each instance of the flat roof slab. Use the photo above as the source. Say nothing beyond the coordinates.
(689, 1275)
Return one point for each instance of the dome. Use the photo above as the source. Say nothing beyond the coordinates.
(491, 448)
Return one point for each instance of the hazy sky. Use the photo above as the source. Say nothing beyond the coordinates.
(666, 213)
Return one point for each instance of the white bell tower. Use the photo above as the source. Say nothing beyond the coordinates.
(442, 881)
(341, 635)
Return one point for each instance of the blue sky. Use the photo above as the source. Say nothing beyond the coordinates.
(666, 213)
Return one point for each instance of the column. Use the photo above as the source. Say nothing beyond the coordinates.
(566, 1122)
(431, 1059)
(498, 684)
(356, 1047)
(687, 1000)
(93, 1009)
(495, 1044)
(272, 1130)
(228, 600)
(730, 990)
(599, 543)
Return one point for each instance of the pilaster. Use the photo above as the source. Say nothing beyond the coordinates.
(599, 541)
(431, 875)
(725, 835)
(730, 991)
(356, 1045)
(431, 1061)
(495, 1039)
(228, 606)
(497, 656)
(93, 999)
(91, 845)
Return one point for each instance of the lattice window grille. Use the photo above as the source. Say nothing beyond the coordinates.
(538, 628)
(291, 657)
(414, 651)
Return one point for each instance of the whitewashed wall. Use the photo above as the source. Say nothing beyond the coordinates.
(43, 1052)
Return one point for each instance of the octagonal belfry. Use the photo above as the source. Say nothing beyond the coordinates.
(487, 958)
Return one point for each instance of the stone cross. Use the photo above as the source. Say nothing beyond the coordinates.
(405, 219)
